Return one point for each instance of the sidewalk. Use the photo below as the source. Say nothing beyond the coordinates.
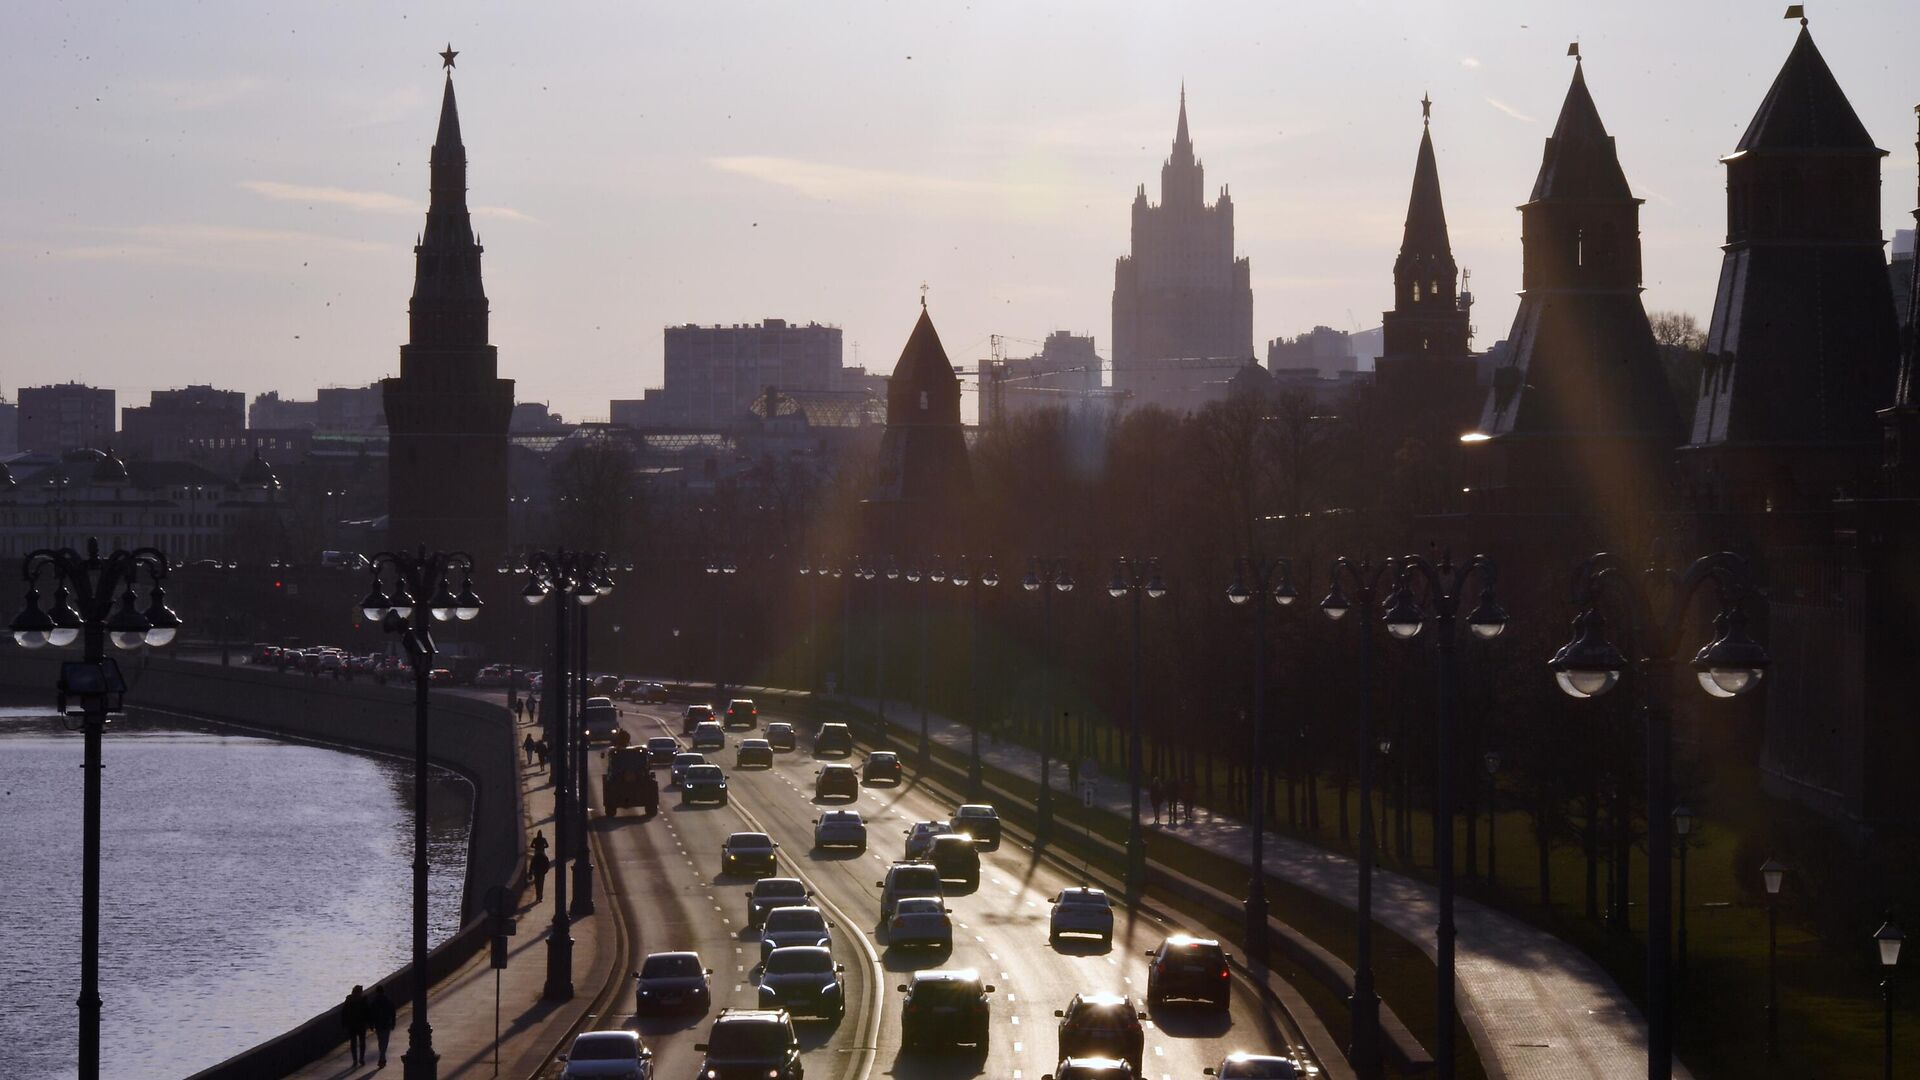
(461, 1007)
(1538, 1008)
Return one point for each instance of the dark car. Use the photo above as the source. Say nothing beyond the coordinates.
(980, 821)
(694, 717)
(748, 853)
(1102, 1025)
(752, 753)
(628, 690)
(1090, 1068)
(773, 892)
(780, 735)
(661, 749)
(741, 712)
(836, 780)
(704, 783)
(945, 1008)
(751, 1044)
(804, 980)
(956, 857)
(672, 980)
(833, 739)
(1256, 1067)
(882, 765)
(1191, 968)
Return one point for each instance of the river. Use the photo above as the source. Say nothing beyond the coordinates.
(246, 884)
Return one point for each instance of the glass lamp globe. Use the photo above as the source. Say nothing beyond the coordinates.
(128, 639)
(1889, 938)
(989, 579)
(1335, 605)
(1586, 684)
(1064, 583)
(1237, 593)
(1285, 594)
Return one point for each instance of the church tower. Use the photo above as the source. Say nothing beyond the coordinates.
(1425, 374)
(1804, 344)
(1579, 418)
(1901, 422)
(447, 411)
(924, 480)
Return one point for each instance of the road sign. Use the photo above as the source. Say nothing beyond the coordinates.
(497, 902)
(499, 951)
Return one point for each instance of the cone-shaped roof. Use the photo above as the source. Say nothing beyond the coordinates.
(448, 136)
(923, 369)
(1580, 162)
(1426, 217)
(1180, 132)
(1805, 108)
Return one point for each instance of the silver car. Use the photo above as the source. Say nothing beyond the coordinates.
(614, 1055)
(920, 837)
(920, 920)
(785, 926)
(1081, 911)
(683, 761)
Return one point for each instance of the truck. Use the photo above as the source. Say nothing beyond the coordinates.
(629, 781)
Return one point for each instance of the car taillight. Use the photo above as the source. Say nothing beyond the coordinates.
(1225, 974)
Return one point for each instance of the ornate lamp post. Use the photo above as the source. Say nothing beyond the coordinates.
(1046, 577)
(1444, 584)
(1491, 759)
(1366, 578)
(1589, 665)
(965, 577)
(95, 598)
(1682, 829)
(1772, 874)
(1262, 572)
(720, 573)
(1889, 939)
(400, 579)
(594, 582)
(935, 574)
(1138, 578)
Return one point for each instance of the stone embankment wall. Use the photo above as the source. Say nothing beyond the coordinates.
(470, 736)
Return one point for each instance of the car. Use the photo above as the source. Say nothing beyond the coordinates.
(609, 1054)
(753, 752)
(672, 980)
(605, 684)
(780, 735)
(704, 783)
(599, 719)
(840, 828)
(775, 892)
(920, 920)
(742, 713)
(1256, 1067)
(682, 761)
(709, 735)
(750, 853)
(794, 925)
(661, 749)
(694, 717)
(836, 780)
(945, 1008)
(1081, 911)
(833, 739)
(1090, 1068)
(804, 980)
(1102, 1025)
(1190, 968)
(652, 692)
(904, 880)
(628, 690)
(751, 1044)
(882, 765)
(920, 837)
(956, 857)
(980, 821)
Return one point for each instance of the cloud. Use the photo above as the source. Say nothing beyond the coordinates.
(192, 95)
(1509, 110)
(818, 180)
(199, 244)
(378, 202)
(501, 213)
(1469, 62)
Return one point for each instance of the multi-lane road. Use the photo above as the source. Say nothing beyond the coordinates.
(667, 869)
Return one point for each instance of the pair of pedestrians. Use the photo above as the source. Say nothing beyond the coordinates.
(359, 1013)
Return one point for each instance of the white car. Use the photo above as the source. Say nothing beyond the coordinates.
(612, 1055)
(920, 920)
(681, 763)
(786, 926)
(1081, 911)
(920, 837)
(1256, 1067)
(840, 828)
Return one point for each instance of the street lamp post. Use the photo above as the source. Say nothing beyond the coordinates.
(934, 574)
(1682, 829)
(95, 599)
(394, 603)
(1589, 665)
(1889, 939)
(1137, 578)
(721, 574)
(965, 577)
(1444, 585)
(1046, 576)
(596, 581)
(1364, 1005)
(1262, 572)
(1492, 761)
(1772, 874)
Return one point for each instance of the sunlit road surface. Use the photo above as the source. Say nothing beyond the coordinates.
(670, 868)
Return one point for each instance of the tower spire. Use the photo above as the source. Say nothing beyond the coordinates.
(1180, 139)
(449, 300)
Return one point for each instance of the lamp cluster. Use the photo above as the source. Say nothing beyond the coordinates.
(585, 578)
(399, 601)
(1589, 664)
(129, 625)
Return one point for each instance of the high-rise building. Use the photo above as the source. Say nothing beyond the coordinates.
(447, 411)
(352, 408)
(714, 374)
(65, 416)
(273, 412)
(198, 423)
(1804, 346)
(1181, 294)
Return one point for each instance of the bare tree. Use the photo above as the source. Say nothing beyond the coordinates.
(1677, 328)
(597, 495)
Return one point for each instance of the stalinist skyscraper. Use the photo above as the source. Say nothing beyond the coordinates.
(1181, 294)
(447, 412)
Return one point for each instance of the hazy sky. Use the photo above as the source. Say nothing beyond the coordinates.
(228, 192)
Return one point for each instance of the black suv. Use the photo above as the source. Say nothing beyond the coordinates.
(882, 765)
(751, 1044)
(1102, 1025)
(748, 853)
(1189, 967)
(837, 780)
(944, 1008)
(833, 739)
(780, 735)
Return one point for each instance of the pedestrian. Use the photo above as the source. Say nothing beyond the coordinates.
(1155, 792)
(539, 844)
(356, 1016)
(528, 747)
(540, 748)
(537, 868)
(381, 1013)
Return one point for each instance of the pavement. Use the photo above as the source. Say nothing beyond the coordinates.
(1538, 1008)
(461, 1007)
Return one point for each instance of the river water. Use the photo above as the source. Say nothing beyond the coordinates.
(246, 884)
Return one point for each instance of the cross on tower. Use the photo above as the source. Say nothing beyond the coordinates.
(1426, 108)
(923, 296)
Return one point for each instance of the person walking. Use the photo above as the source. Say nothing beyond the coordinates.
(541, 749)
(527, 746)
(356, 1017)
(1155, 792)
(537, 868)
(381, 1013)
